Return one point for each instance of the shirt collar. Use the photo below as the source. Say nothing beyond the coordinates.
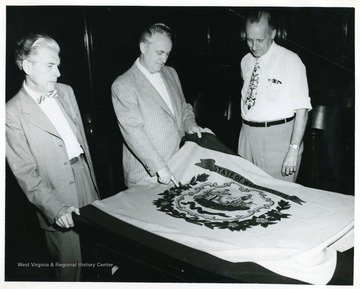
(34, 95)
(145, 71)
(268, 55)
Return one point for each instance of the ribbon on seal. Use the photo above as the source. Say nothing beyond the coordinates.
(209, 164)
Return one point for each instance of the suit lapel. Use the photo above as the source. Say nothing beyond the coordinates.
(67, 111)
(149, 90)
(172, 94)
(36, 116)
(70, 116)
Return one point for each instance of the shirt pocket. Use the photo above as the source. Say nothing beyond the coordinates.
(275, 88)
(274, 83)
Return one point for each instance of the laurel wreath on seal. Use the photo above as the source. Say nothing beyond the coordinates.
(166, 204)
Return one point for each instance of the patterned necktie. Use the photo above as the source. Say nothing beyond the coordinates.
(254, 81)
(44, 96)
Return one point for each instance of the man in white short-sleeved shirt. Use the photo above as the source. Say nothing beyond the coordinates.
(275, 101)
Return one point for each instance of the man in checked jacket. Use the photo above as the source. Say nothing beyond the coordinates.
(151, 110)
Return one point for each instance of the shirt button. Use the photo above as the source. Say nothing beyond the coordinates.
(66, 163)
(60, 145)
(71, 182)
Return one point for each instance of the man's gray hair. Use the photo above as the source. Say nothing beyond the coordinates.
(30, 44)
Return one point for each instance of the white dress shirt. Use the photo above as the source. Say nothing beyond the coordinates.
(157, 81)
(282, 88)
(54, 113)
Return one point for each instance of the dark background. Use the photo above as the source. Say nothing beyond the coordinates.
(100, 43)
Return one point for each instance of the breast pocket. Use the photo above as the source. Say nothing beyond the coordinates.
(275, 83)
(274, 89)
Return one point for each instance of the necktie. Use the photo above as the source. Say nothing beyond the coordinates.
(44, 96)
(254, 81)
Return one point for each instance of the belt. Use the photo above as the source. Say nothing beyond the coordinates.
(76, 159)
(268, 123)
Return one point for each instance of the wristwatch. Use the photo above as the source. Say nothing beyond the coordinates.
(294, 146)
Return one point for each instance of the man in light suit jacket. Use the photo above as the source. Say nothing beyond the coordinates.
(47, 151)
(151, 110)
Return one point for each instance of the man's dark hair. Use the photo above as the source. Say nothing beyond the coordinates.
(256, 15)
